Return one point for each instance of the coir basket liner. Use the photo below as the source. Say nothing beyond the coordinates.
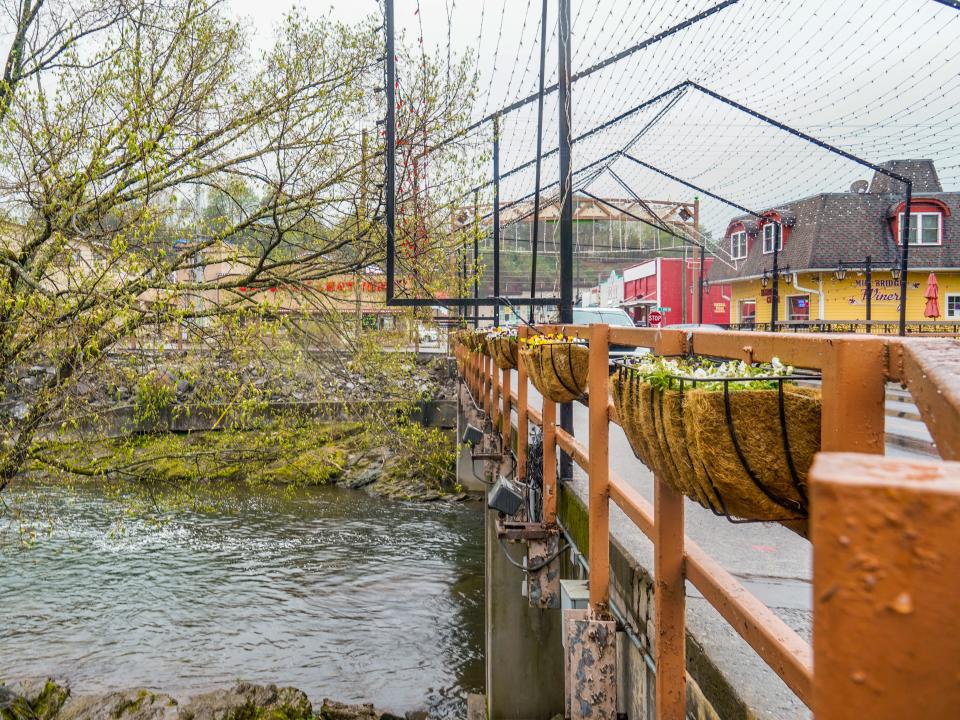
(726, 450)
(504, 351)
(558, 369)
(653, 422)
(758, 472)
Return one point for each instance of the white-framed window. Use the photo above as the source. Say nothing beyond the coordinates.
(738, 245)
(769, 233)
(928, 224)
(748, 311)
(952, 301)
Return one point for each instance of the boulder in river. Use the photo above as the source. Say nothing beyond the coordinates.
(247, 701)
(136, 704)
(333, 710)
(33, 699)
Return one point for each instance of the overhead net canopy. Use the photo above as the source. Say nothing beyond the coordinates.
(874, 78)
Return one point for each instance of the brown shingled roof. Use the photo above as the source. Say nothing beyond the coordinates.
(833, 227)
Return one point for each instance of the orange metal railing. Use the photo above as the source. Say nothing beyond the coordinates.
(854, 369)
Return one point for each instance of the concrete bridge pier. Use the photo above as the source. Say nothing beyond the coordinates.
(524, 655)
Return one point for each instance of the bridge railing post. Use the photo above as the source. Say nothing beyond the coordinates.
(522, 427)
(886, 587)
(505, 415)
(549, 461)
(485, 382)
(599, 470)
(591, 640)
(494, 392)
(669, 602)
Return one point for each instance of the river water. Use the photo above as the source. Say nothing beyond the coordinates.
(331, 591)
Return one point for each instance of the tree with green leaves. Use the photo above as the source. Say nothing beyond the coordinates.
(156, 174)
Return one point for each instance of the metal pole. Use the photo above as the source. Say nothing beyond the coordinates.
(703, 259)
(536, 193)
(391, 141)
(700, 288)
(476, 258)
(566, 208)
(496, 218)
(775, 299)
(904, 252)
(869, 277)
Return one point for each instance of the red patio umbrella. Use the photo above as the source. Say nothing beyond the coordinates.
(932, 310)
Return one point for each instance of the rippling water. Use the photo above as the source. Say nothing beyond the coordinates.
(331, 591)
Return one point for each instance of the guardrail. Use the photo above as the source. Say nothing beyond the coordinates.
(876, 327)
(854, 371)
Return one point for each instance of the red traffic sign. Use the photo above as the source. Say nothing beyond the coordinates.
(655, 317)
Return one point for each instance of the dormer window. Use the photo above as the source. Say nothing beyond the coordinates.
(738, 245)
(926, 228)
(926, 221)
(770, 232)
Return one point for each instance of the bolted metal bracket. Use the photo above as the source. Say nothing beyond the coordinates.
(590, 666)
(543, 574)
(521, 530)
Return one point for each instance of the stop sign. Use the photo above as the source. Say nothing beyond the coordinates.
(655, 317)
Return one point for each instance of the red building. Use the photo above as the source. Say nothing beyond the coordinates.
(670, 285)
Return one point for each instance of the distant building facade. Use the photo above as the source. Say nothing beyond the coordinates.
(825, 242)
(671, 286)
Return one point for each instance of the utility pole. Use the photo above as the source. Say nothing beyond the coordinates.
(904, 256)
(476, 258)
(566, 205)
(868, 272)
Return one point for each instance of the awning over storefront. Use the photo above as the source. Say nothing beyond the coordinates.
(634, 302)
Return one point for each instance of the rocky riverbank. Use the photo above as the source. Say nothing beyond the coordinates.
(46, 699)
(408, 462)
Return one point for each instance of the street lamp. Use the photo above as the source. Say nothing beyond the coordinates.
(764, 279)
(841, 272)
(786, 274)
(895, 271)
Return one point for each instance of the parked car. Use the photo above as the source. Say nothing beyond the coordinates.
(614, 317)
(596, 315)
(428, 335)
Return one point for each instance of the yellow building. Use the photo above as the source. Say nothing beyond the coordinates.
(838, 255)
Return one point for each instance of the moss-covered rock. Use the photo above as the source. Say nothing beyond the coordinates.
(136, 704)
(332, 710)
(247, 701)
(38, 698)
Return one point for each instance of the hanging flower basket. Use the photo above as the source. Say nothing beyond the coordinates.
(473, 340)
(503, 347)
(738, 439)
(653, 421)
(557, 366)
